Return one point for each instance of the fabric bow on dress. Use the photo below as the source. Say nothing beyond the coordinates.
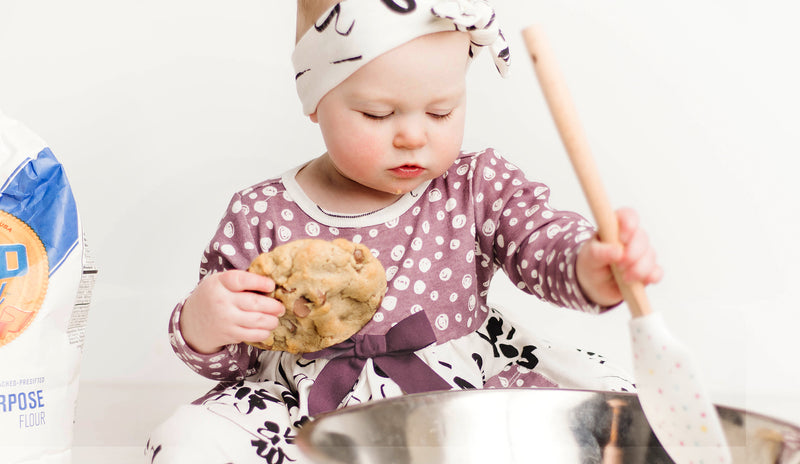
(393, 353)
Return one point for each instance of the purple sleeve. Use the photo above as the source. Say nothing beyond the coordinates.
(536, 245)
(233, 362)
(234, 245)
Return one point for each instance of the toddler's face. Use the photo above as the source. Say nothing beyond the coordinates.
(399, 120)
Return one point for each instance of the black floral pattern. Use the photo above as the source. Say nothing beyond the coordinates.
(272, 446)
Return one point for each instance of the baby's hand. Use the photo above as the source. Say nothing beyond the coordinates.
(225, 309)
(635, 260)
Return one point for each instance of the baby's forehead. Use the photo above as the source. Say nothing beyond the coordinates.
(382, 94)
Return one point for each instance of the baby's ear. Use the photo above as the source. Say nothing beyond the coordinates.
(313, 117)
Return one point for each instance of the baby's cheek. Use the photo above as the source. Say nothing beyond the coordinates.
(354, 165)
(365, 146)
(363, 153)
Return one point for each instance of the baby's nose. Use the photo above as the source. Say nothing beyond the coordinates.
(410, 134)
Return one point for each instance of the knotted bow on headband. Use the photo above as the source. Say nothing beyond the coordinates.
(353, 32)
(393, 353)
(477, 18)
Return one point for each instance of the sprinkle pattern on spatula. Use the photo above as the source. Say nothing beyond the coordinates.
(689, 421)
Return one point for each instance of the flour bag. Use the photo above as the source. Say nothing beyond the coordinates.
(45, 285)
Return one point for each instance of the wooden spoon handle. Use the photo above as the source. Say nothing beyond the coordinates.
(577, 147)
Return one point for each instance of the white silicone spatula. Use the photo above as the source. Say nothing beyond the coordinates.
(669, 388)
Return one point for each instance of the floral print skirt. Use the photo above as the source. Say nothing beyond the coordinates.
(256, 420)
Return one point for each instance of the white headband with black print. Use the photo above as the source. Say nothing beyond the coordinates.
(353, 32)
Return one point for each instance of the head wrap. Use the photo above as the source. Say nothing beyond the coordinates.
(353, 32)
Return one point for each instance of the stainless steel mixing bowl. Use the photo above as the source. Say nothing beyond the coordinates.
(522, 426)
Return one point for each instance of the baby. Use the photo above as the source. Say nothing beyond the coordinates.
(385, 82)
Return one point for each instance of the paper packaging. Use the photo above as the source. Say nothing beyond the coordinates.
(46, 279)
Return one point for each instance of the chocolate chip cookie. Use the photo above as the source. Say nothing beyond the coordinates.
(330, 290)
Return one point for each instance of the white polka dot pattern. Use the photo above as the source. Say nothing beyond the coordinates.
(440, 253)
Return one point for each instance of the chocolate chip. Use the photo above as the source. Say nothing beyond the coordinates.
(300, 308)
(288, 324)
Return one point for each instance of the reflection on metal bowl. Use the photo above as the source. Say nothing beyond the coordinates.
(522, 426)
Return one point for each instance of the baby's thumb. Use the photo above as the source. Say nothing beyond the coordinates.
(606, 253)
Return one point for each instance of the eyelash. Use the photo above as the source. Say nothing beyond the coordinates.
(441, 117)
(374, 117)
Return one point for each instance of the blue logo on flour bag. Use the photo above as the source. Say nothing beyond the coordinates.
(38, 194)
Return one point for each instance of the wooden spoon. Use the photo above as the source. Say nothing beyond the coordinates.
(669, 389)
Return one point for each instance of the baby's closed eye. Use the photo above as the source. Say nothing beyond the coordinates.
(443, 115)
(376, 115)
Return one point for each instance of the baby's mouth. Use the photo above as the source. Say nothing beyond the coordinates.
(408, 171)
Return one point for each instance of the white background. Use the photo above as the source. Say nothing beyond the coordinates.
(160, 110)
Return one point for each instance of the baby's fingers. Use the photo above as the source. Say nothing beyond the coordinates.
(603, 254)
(628, 221)
(240, 281)
(254, 302)
(644, 269)
(257, 321)
(638, 263)
(254, 335)
(256, 324)
(637, 246)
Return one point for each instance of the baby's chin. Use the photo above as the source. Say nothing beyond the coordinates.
(400, 190)
(396, 190)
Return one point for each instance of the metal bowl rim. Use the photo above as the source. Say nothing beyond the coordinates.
(303, 440)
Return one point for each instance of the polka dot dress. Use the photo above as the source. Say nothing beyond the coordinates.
(440, 245)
